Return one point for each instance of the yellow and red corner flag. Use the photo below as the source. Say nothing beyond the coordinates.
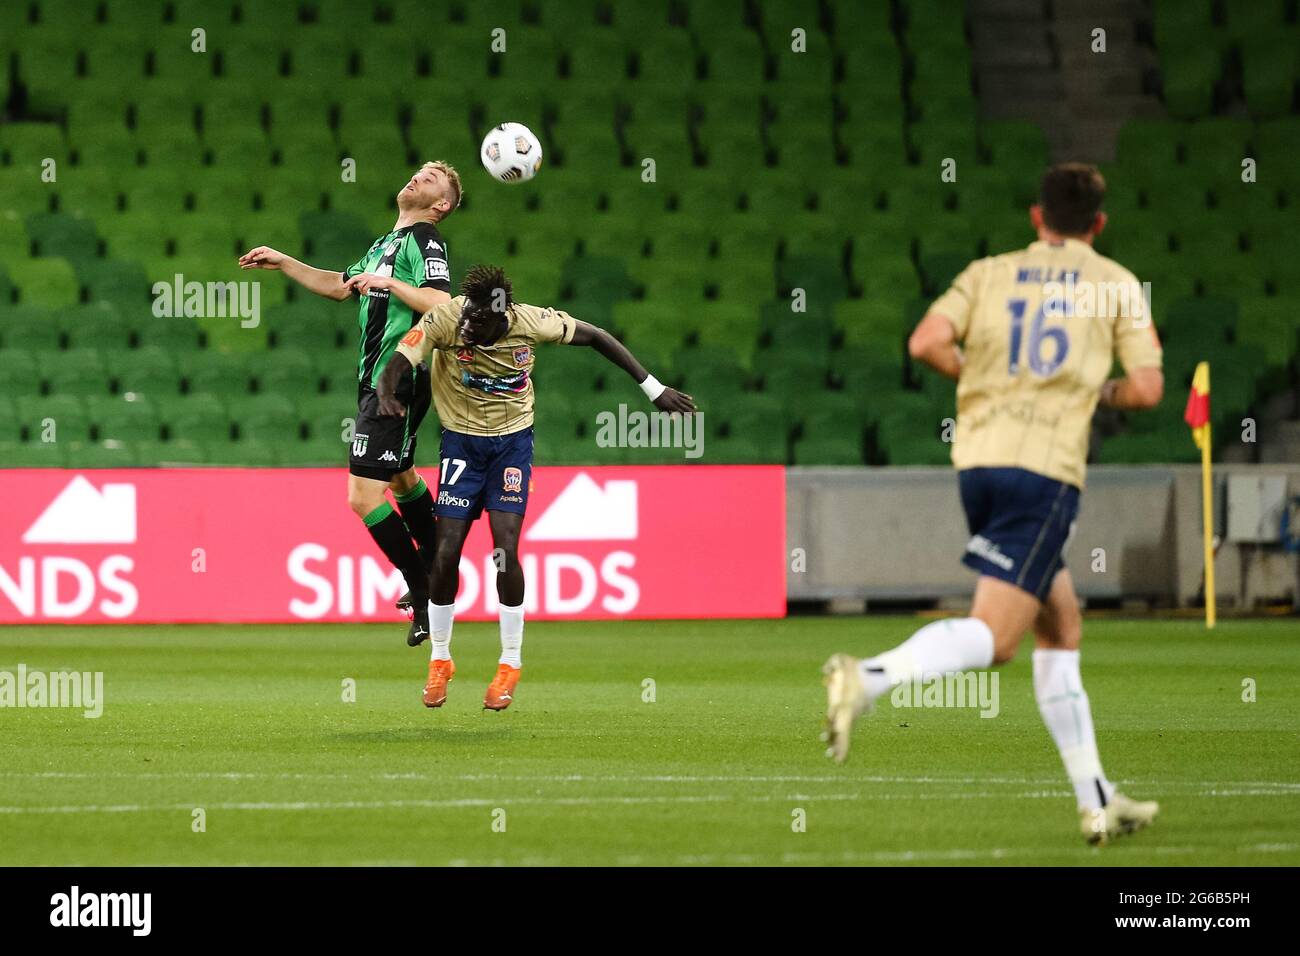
(1197, 416)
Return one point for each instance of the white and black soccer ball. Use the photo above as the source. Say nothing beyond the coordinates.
(511, 153)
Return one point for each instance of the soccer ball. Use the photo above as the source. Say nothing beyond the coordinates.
(511, 153)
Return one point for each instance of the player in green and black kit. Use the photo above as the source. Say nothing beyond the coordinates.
(406, 274)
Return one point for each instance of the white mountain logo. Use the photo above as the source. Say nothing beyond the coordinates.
(84, 514)
(585, 511)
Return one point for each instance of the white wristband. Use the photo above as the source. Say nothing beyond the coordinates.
(652, 387)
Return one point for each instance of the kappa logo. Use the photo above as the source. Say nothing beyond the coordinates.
(434, 246)
(512, 479)
(359, 445)
(522, 356)
(388, 456)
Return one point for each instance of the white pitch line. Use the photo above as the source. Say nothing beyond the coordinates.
(1245, 787)
(464, 802)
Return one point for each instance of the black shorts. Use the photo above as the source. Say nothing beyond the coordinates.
(384, 446)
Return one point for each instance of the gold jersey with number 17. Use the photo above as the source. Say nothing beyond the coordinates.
(1040, 330)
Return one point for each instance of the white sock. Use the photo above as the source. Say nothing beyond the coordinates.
(941, 647)
(512, 635)
(440, 620)
(1064, 705)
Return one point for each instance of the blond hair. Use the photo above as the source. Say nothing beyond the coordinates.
(453, 180)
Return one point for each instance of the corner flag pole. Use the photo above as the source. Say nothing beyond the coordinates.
(1197, 416)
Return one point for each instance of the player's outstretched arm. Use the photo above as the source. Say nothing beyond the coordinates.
(386, 388)
(323, 283)
(665, 399)
(934, 342)
(421, 300)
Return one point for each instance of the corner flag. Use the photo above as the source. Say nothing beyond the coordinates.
(1197, 416)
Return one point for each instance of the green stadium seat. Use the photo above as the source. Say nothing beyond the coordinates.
(821, 277)
(1190, 73)
(49, 283)
(284, 373)
(30, 144)
(56, 418)
(175, 334)
(267, 418)
(869, 323)
(1017, 148)
(706, 370)
(670, 64)
(126, 421)
(170, 454)
(1270, 324)
(326, 416)
(246, 453)
(1245, 21)
(1270, 65)
(33, 454)
(869, 372)
(30, 328)
(19, 374)
(838, 450)
(1169, 447)
(15, 246)
(78, 371)
(57, 234)
(827, 414)
(765, 438)
(735, 58)
(217, 372)
(938, 140)
(149, 371)
(199, 418)
(11, 429)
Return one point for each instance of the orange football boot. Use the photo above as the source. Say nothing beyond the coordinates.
(440, 675)
(502, 689)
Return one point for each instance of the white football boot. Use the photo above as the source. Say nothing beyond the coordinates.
(1116, 819)
(846, 701)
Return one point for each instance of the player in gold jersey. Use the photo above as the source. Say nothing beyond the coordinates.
(1030, 337)
(481, 348)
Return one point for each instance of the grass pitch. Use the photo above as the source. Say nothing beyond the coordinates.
(250, 725)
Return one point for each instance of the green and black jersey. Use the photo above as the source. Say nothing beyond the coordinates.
(417, 255)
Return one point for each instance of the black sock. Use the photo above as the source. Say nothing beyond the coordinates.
(416, 508)
(394, 539)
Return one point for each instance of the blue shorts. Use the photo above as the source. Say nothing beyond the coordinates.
(1020, 523)
(479, 472)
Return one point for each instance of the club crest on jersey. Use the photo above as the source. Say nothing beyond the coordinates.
(522, 356)
(464, 354)
(512, 479)
(359, 444)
